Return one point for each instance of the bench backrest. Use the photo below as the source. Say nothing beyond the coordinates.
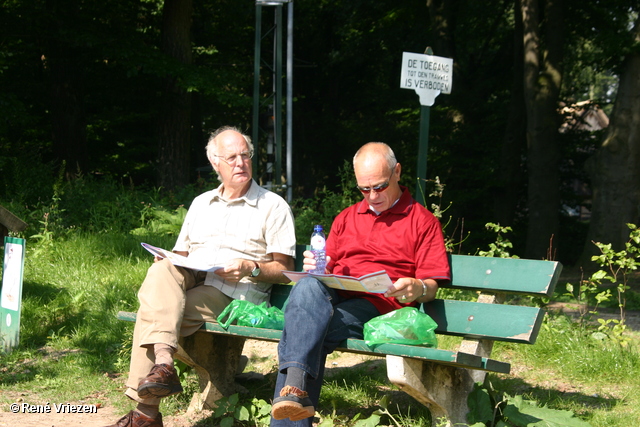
(510, 275)
(479, 320)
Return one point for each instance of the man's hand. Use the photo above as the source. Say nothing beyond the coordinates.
(309, 261)
(235, 270)
(270, 271)
(408, 289)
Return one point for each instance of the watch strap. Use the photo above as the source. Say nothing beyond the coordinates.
(424, 287)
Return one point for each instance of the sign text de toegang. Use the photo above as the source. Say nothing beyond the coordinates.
(428, 75)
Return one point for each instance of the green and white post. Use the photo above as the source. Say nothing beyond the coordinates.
(429, 76)
(11, 295)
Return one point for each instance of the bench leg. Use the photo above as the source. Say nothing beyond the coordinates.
(443, 389)
(215, 359)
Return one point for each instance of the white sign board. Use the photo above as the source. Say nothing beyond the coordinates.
(11, 294)
(428, 75)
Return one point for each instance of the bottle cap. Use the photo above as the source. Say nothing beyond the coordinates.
(317, 228)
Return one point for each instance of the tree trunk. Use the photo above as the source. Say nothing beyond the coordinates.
(615, 168)
(174, 122)
(64, 69)
(542, 79)
(442, 15)
(512, 172)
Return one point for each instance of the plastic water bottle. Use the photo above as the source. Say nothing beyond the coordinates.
(318, 248)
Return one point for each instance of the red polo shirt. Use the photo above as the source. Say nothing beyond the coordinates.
(405, 240)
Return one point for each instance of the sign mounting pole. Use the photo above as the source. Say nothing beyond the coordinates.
(423, 149)
(429, 76)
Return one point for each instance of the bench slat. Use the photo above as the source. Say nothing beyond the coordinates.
(524, 276)
(478, 320)
(417, 352)
(489, 320)
(453, 358)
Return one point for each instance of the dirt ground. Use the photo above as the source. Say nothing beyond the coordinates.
(108, 415)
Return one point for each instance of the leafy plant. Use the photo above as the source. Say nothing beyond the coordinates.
(260, 412)
(158, 220)
(437, 192)
(230, 409)
(51, 217)
(616, 269)
(488, 408)
(384, 405)
(500, 248)
(452, 243)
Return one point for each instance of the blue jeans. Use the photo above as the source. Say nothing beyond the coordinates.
(317, 320)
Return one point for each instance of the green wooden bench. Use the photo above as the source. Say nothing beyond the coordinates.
(440, 379)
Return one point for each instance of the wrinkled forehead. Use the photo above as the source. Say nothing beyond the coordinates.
(230, 143)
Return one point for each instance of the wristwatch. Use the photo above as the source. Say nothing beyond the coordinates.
(256, 270)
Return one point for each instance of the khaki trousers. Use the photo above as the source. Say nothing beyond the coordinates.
(173, 302)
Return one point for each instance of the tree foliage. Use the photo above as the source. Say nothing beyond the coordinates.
(83, 88)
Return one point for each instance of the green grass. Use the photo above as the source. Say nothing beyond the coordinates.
(569, 368)
(74, 349)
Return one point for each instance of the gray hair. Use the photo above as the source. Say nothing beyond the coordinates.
(212, 144)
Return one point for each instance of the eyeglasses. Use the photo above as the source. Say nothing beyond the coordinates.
(378, 188)
(230, 160)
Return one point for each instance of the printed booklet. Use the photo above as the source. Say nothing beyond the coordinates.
(182, 261)
(377, 282)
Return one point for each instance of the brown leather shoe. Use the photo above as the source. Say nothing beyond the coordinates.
(136, 419)
(162, 381)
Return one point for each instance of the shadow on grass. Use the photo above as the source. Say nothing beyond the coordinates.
(554, 397)
(46, 310)
(50, 312)
(347, 392)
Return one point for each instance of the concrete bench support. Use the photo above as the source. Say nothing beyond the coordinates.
(215, 359)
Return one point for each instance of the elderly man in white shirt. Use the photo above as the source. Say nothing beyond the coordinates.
(247, 231)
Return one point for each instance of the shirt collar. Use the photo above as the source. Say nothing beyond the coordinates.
(250, 197)
(402, 206)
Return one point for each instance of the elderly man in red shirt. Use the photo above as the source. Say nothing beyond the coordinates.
(387, 230)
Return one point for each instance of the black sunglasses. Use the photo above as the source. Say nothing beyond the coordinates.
(378, 188)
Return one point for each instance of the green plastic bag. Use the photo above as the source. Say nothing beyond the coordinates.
(246, 313)
(407, 325)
